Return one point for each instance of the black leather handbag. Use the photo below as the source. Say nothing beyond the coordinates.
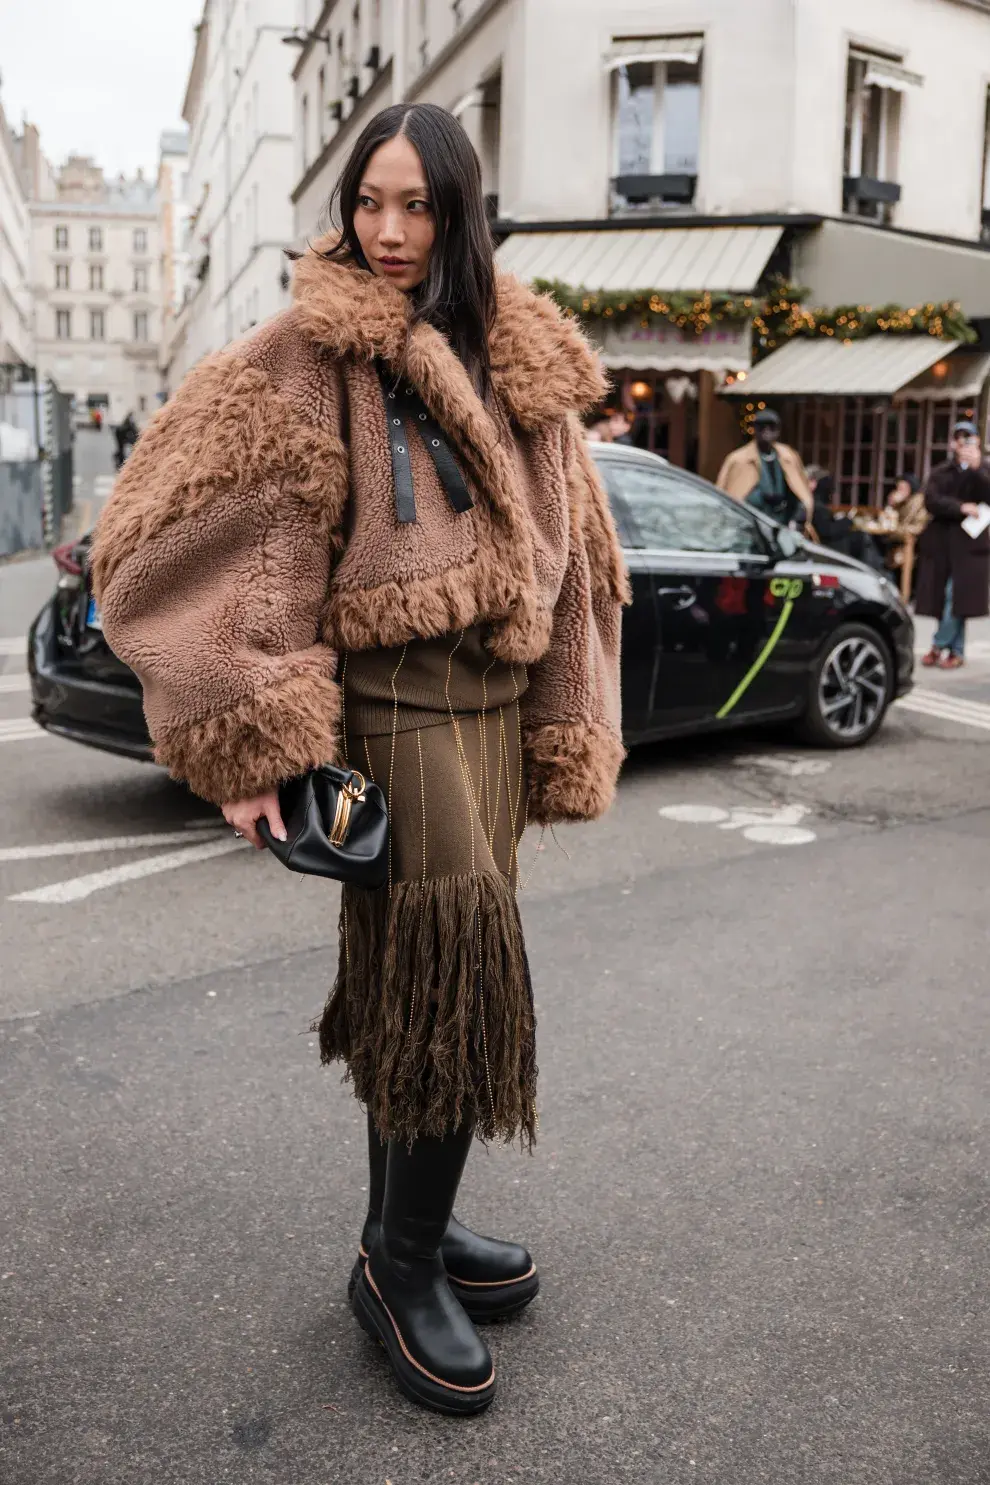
(336, 825)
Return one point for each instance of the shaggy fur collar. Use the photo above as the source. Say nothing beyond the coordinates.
(542, 366)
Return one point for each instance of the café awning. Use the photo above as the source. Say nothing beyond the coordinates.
(878, 366)
(666, 259)
(961, 377)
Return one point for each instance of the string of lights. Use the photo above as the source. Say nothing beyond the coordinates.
(777, 316)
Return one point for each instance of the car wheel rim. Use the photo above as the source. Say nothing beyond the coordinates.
(852, 689)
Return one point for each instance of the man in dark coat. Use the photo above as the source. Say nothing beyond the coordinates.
(954, 567)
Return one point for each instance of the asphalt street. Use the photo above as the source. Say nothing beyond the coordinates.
(760, 1202)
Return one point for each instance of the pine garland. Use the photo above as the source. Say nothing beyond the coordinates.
(777, 316)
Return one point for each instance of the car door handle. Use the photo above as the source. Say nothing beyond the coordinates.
(678, 598)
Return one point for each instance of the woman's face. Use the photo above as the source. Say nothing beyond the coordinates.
(393, 215)
(900, 492)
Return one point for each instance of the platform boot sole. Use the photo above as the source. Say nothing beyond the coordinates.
(417, 1384)
(485, 1304)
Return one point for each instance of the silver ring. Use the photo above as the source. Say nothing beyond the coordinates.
(239, 834)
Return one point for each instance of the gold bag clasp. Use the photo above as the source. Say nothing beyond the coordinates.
(351, 793)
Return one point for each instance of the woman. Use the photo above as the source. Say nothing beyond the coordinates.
(297, 575)
(903, 517)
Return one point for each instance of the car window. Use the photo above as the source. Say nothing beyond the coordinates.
(667, 511)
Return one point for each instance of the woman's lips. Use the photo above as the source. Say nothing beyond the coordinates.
(393, 265)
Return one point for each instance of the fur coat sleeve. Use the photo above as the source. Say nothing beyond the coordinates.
(571, 712)
(211, 561)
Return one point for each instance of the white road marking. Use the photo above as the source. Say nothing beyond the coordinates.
(16, 646)
(77, 888)
(21, 681)
(773, 825)
(791, 768)
(948, 708)
(21, 729)
(107, 843)
(694, 814)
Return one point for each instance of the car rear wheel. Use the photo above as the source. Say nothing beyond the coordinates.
(850, 689)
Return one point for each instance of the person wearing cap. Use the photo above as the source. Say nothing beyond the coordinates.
(954, 567)
(769, 474)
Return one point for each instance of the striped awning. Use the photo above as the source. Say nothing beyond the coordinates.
(961, 377)
(878, 366)
(883, 73)
(668, 259)
(653, 49)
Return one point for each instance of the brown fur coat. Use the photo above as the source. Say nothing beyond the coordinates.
(252, 536)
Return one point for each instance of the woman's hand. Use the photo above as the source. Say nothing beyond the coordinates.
(969, 508)
(244, 814)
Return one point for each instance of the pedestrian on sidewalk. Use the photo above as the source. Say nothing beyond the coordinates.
(299, 576)
(954, 567)
(768, 474)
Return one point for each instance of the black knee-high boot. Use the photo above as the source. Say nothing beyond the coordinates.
(403, 1298)
(492, 1279)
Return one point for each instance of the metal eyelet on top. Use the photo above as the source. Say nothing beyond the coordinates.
(399, 449)
(397, 422)
(422, 417)
(436, 443)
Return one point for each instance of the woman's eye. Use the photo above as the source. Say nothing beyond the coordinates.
(368, 202)
(419, 206)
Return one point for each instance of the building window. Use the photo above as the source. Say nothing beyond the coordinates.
(61, 239)
(96, 276)
(140, 240)
(96, 239)
(321, 107)
(140, 278)
(142, 404)
(61, 275)
(97, 325)
(874, 88)
(985, 191)
(656, 119)
(63, 324)
(141, 325)
(304, 130)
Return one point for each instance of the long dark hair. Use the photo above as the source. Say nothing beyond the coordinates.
(458, 294)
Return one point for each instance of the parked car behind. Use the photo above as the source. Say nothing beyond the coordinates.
(733, 621)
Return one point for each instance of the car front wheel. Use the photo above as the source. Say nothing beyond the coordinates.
(849, 689)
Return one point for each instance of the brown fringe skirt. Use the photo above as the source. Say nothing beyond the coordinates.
(432, 1009)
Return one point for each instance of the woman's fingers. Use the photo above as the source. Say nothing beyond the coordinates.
(274, 817)
(242, 816)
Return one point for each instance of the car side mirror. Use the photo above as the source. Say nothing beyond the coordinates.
(787, 543)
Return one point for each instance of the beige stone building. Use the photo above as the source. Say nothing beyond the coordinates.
(16, 333)
(96, 265)
(706, 147)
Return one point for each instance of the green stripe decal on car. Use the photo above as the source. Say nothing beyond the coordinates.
(789, 589)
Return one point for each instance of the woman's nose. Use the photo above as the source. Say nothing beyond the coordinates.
(392, 232)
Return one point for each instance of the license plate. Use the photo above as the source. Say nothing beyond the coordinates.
(94, 619)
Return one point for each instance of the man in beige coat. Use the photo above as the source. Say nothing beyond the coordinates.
(769, 475)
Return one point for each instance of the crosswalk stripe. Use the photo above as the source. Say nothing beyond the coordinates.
(10, 683)
(961, 704)
(78, 887)
(15, 646)
(21, 729)
(108, 843)
(931, 709)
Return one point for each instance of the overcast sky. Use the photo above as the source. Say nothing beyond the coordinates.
(98, 77)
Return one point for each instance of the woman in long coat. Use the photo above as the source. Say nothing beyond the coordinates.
(371, 532)
(954, 568)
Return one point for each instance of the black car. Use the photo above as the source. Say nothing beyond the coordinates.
(734, 620)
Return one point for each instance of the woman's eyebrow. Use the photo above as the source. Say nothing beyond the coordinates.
(418, 190)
